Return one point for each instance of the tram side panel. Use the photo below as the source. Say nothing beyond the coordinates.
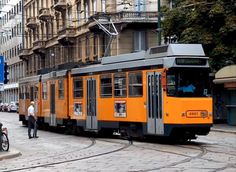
(77, 103)
(189, 114)
(45, 101)
(24, 102)
(61, 100)
(29, 92)
(55, 101)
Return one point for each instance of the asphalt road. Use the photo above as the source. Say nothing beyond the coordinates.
(60, 152)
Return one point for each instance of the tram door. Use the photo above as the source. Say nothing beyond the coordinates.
(91, 119)
(154, 104)
(52, 105)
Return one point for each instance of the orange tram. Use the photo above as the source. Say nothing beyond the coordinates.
(163, 91)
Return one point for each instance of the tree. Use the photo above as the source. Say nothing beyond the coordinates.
(209, 22)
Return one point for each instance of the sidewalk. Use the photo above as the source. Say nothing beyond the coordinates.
(216, 127)
(12, 153)
(224, 128)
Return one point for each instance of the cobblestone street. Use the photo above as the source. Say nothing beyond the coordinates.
(59, 152)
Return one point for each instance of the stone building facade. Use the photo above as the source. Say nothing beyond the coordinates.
(62, 34)
(11, 42)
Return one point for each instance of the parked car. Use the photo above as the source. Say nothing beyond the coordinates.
(12, 107)
(1, 106)
(5, 107)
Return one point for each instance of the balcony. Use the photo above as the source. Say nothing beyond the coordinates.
(24, 54)
(127, 17)
(31, 22)
(66, 36)
(60, 5)
(39, 47)
(44, 14)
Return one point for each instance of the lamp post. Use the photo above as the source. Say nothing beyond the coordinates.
(159, 21)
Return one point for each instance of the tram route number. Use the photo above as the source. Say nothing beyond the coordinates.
(193, 114)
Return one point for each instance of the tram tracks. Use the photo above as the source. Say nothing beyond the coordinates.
(71, 156)
(188, 158)
(203, 151)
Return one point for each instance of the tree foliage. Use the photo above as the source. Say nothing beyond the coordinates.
(209, 22)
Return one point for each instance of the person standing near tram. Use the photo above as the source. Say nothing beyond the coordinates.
(32, 121)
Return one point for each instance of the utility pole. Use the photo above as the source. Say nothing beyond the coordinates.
(159, 21)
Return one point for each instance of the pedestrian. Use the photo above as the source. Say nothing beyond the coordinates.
(32, 122)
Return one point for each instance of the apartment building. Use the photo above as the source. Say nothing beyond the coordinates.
(62, 34)
(11, 42)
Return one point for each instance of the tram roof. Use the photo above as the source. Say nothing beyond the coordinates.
(30, 79)
(160, 55)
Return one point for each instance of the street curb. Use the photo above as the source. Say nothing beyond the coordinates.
(224, 131)
(10, 154)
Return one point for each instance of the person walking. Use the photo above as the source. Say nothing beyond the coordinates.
(32, 123)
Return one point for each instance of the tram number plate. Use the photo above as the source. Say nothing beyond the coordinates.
(193, 114)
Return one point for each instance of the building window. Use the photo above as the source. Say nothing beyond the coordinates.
(86, 11)
(94, 2)
(135, 84)
(95, 45)
(78, 88)
(61, 89)
(139, 41)
(120, 85)
(140, 5)
(106, 85)
(79, 11)
(80, 49)
(103, 2)
(87, 47)
(69, 17)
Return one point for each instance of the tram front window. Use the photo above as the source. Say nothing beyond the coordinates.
(188, 82)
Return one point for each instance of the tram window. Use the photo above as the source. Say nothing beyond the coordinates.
(27, 92)
(106, 86)
(44, 91)
(171, 84)
(60, 89)
(31, 93)
(186, 82)
(120, 85)
(36, 92)
(78, 88)
(135, 84)
(23, 92)
(21, 96)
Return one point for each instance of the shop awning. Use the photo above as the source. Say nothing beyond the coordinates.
(226, 75)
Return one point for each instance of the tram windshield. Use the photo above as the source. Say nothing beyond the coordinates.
(186, 82)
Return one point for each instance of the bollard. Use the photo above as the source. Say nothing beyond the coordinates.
(0, 136)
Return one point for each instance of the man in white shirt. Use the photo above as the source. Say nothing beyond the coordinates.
(32, 121)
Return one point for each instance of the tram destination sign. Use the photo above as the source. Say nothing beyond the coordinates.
(190, 61)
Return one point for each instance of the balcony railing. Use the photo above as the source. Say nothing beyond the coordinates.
(60, 5)
(31, 22)
(127, 16)
(44, 14)
(24, 54)
(38, 46)
(66, 35)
